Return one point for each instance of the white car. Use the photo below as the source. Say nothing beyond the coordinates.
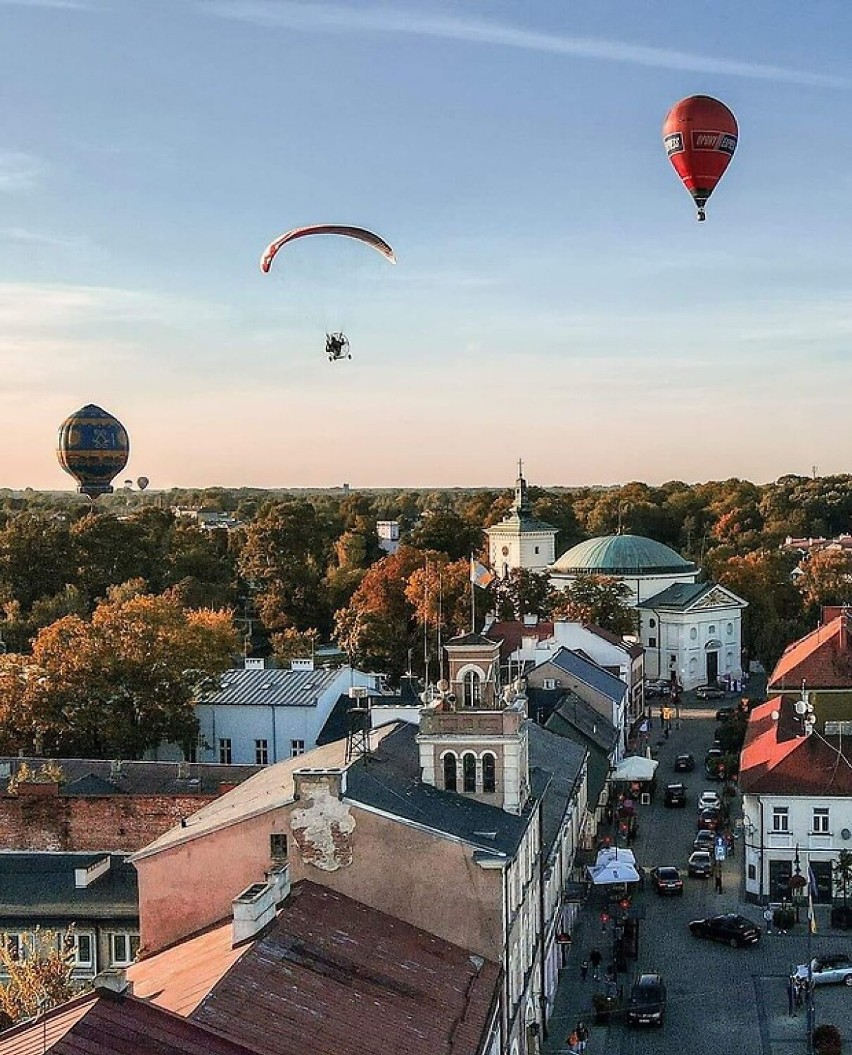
(709, 800)
(836, 968)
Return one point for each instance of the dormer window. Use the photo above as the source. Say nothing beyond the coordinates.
(450, 778)
(472, 692)
(550, 683)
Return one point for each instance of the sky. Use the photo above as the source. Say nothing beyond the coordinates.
(554, 297)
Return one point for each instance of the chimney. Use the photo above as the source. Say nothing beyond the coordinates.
(331, 780)
(255, 907)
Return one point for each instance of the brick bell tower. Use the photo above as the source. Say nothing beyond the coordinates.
(473, 738)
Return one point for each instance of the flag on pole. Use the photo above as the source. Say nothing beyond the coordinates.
(480, 575)
(812, 893)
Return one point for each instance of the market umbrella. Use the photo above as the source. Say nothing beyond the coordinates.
(635, 767)
(615, 853)
(614, 871)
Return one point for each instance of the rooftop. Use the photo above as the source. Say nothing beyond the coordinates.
(622, 555)
(86, 777)
(777, 759)
(41, 886)
(271, 687)
(589, 673)
(330, 977)
(822, 658)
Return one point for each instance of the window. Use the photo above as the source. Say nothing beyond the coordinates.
(780, 819)
(652, 623)
(730, 629)
(261, 752)
(471, 689)
(450, 779)
(693, 633)
(536, 549)
(489, 773)
(469, 771)
(81, 947)
(652, 642)
(191, 752)
(821, 816)
(549, 683)
(672, 660)
(711, 630)
(277, 846)
(225, 752)
(752, 871)
(297, 747)
(123, 949)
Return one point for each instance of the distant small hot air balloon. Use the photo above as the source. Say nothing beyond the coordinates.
(93, 447)
(700, 136)
(142, 482)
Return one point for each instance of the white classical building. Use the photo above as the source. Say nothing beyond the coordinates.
(690, 628)
(520, 540)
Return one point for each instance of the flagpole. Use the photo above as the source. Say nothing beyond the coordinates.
(472, 598)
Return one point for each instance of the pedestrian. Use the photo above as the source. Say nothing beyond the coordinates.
(595, 960)
(574, 1042)
(800, 992)
(792, 996)
(582, 1035)
(767, 919)
(584, 969)
(718, 882)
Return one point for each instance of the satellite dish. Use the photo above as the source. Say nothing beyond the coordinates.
(775, 716)
(443, 685)
(800, 707)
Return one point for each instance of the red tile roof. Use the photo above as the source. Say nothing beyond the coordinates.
(97, 1025)
(331, 977)
(777, 759)
(822, 658)
(510, 634)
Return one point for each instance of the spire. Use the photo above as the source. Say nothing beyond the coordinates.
(521, 501)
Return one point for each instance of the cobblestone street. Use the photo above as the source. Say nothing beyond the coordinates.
(720, 1000)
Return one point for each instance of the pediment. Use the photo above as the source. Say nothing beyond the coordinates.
(718, 597)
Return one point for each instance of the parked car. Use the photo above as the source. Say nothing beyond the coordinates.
(667, 880)
(731, 928)
(700, 864)
(724, 714)
(709, 820)
(710, 692)
(675, 795)
(657, 687)
(647, 1001)
(711, 763)
(704, 840)
(709, 800)
(828, 970)
(684, 764)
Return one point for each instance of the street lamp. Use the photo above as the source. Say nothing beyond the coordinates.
(797, 883)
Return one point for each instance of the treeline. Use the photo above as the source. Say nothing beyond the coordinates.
(306, 566)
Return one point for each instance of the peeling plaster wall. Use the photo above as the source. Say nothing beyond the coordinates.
(322, 827)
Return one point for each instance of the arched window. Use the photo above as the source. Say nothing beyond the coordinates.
(469, 771)
(489, 773)
(471, 689)
(450, 780)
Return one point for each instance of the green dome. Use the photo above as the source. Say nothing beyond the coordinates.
(621, 555)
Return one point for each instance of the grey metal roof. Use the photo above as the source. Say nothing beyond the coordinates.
(563, 759)
(579, 721)
(391, 781)
(589, 673)
(679, 595)
(621, 555)
(273, 688)
(40, 886)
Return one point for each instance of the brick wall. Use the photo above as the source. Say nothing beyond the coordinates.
(74, 823)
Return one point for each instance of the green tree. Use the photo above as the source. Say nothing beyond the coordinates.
(826, 579)
(599, 599)
(524, 592)
(444, 531)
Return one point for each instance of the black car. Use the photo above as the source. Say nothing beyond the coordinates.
(700, 864)
(724, 714)
(730, 928)
(647, 1001)
(666, 880)
(675, 795)
(684, 764)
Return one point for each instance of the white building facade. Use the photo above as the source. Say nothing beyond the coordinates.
(520, 540)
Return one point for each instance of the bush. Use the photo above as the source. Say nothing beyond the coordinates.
(827, 1040)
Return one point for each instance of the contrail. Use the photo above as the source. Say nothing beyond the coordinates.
(337, 18)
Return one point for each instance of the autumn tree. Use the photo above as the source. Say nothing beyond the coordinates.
(826, 579)
(124, 681)
(444, 531)
(38, 975)
(440, 593)
(293, 644)
(599, 599)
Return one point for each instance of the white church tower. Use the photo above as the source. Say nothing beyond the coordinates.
(519, 540)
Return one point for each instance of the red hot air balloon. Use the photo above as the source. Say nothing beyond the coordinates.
(700, 137)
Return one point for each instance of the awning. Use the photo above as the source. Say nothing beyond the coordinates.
(634, 767)
(613, 872)
(615, 853)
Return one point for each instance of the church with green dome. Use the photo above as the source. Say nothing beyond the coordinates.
(690, 628)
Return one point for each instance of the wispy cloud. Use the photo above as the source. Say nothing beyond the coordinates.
(70, 5)
(340, 18)
(18, 171)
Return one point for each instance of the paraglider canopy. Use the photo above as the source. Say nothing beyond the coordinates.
(93, 447)
(359, 233)
(700, 136)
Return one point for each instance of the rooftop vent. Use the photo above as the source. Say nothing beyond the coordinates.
(84, 877)
(255, 907)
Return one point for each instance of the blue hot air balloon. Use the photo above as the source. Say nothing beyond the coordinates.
(93, 447)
